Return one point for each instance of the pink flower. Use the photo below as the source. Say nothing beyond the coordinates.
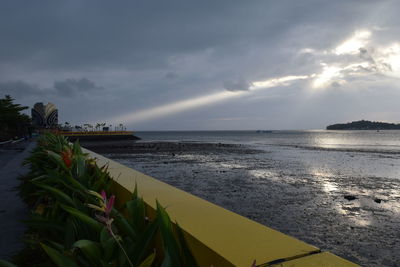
(105, 207)
(103, 195)
(108, 203)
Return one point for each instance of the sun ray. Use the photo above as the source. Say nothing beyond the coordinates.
(186, 104)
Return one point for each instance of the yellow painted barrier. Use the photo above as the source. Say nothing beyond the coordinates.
(215, 235)
(324, 259)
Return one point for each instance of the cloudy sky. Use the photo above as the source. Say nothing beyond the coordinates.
(204, 65)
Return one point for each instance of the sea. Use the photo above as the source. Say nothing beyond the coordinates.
(337, 190)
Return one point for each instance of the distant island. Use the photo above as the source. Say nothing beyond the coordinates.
(364, 125)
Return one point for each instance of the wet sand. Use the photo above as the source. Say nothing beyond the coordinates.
(356, 217)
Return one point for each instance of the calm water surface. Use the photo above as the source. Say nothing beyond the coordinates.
(384, 140)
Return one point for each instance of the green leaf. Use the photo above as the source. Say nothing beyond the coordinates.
(187, 255)
(56, 158)
(145, 240)
(55, 245)
(59, 259)
(167, 260)
(136, 211)
(90, 249)
(148, 261)
(109, 248)
(4, 263)
(135, 192)
(169, 241)
(39, 178)
(69, 235)
(44, 224)
(57, 193)
(125, 227)
(76, 184)
(92, 223)
(76, 148)
(80, 165)
(104, 235)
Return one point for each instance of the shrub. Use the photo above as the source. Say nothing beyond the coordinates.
(74, 221)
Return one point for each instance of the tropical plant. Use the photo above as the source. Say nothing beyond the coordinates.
(12, 121)
(75, 225)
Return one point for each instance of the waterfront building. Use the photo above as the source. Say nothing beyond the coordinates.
(45, 116)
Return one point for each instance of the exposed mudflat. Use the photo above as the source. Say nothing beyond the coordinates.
(127, 147)
(338, 201)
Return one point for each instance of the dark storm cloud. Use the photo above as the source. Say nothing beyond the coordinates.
(171, 75)
(237, 85)
(92, 34)
(71, 86)
(19, 89)
(68, 87)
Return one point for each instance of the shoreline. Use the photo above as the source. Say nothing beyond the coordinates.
(279, 193)
(124, 147)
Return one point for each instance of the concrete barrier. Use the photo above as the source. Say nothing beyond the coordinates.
(216, 236)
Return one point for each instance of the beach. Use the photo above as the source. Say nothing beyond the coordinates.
(341, 198)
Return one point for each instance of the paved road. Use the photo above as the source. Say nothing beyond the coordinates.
(12, 208)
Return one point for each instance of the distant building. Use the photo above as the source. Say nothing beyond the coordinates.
(45, 116)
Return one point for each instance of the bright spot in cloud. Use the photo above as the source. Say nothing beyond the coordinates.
(391, 57)
(394, 62)
(307, 51)
(359, 62)
(326, 77)
(353, 45)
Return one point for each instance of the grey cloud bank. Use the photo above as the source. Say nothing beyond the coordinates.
(68, 87)
(99, 59)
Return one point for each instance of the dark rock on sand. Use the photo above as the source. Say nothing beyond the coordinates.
(350, 197)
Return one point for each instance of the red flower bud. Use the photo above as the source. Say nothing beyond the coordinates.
(67, 157)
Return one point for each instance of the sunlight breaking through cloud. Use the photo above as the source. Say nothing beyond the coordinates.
(353, 45)
(391, 59)
(182, 105)
(355, 59)
(326, 76)
(352, 59)
(176, 107)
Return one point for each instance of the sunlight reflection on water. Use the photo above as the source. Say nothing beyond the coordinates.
(264, 174)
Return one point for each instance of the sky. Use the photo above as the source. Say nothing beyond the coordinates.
(204, 65)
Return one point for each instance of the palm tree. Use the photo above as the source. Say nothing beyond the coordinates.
(12, 121)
